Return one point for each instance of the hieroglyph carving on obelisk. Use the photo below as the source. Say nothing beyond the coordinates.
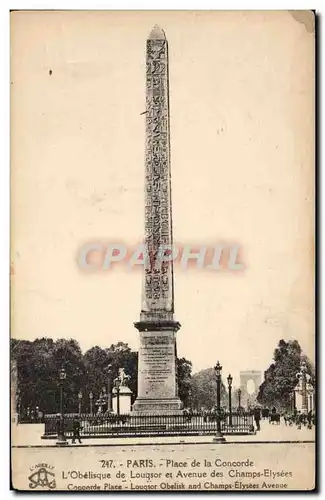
(158, 279)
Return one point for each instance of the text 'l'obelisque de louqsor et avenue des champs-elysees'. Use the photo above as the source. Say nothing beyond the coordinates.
(157, 368)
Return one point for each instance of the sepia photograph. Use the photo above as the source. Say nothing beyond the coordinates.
(162, 259)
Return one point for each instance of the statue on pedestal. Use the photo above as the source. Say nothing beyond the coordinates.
(123, 377)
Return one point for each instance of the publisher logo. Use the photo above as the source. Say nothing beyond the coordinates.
(42, 477)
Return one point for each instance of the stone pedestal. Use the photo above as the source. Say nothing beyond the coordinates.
(157, 373)
(125, 395)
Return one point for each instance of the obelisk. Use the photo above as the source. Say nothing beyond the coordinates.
(157, 362)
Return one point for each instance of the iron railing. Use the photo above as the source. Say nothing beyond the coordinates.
(25, 419)
(198, 423)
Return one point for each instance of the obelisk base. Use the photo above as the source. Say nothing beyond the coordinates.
(157, 368)
(157, 406)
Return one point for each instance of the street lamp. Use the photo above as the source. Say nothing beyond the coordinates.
(304, 386)
(99, 403)
(109, 370)
(104, 396)
(61, 436)
(218, 437)
(239, 398)
(189, 398)
(80, 399)
(229, 380)
(91, 402)
(18, 405)
(117, 383)
(302, 375)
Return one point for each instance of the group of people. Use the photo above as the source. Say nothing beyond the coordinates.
(300, 419)
(31, 414)
(295, 417)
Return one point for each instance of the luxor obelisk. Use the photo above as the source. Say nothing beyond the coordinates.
(157, 367)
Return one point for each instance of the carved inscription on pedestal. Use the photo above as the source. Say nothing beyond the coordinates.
(157, 365)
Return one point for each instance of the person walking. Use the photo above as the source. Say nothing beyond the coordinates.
(76, 428)
(257, 417)
(309, 419)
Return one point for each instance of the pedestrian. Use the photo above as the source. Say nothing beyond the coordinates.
(187, 415)
(309, 418)
(76, 428)
(257, 417)
(299, 420)
(285, 418)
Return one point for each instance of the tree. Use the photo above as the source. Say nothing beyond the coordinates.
(67, 354)
(39, 363)
(204, 390)
(280, 378)
(95, 362)
(184, 371)
(33, 366)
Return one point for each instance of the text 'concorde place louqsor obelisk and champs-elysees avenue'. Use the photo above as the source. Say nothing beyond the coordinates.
(157, 368)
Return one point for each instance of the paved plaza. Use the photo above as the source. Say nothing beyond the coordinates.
(31, 434)
(274, 454)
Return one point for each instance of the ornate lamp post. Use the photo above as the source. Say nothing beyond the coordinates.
(18, 406)
(80, 400)
(303, 377)
(303, 370)
(91, 402)
(104, 398)
(219, 436)
(61, 436)
(310, 396)
(117, 383)
(293, 401)
(99, 403)
(109, 371)
(239, 398)
(229, 380)
(189, 398)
